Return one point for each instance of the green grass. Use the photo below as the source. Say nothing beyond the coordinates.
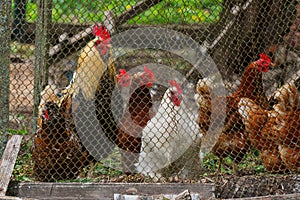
(23, 168)
(166, 12)
(251, 164)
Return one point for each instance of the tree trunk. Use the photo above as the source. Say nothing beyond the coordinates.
(261, 24)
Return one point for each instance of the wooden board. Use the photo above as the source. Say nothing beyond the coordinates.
(15, 198)
(107, 190)
(8, 161)
(65, 191)
(273, 197)
(185, 195)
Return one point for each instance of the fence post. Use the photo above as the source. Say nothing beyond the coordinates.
(42, 44)
(5, 24)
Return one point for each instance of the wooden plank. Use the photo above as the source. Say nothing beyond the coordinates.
(107, 190)
(8, 161)
(295, 196)
(14, 198)
(109, 21)
(56, 30)
(185, 195)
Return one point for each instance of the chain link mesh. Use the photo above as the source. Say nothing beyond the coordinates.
(90, 110)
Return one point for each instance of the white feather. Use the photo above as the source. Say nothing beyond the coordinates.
(167, 136)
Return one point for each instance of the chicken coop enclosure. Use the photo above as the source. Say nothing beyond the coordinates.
(151, 91)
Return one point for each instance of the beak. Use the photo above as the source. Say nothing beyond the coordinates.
(272, 64)
(99, 39)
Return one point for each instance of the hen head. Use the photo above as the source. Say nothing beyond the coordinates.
(264, 63)
(103, 38)
(175, 92)
(146, 78)
(51, 111)
(123, 78)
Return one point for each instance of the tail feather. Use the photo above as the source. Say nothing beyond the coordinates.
(203, 99)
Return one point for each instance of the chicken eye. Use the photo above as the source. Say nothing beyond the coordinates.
(172, 94)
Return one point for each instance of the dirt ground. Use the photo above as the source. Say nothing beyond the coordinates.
(21, 86)
(21, 94)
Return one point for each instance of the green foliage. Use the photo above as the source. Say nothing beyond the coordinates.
(181, 12)
(166, 12)
(251, 164)
(23, 170)
(100, 169)
(22, 49)
(18, 132)
(21, 131)
(31, 13)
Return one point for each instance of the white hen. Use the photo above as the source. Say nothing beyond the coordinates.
(168, 134)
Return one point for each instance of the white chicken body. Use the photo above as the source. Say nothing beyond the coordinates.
(167, 136)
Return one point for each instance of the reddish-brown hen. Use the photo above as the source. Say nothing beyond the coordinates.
(259, 124)
(57, 151)
(136, 116)
(233, 141)
(138, 112)
(276, 132)
(288, 128)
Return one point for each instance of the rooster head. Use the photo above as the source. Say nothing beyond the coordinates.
(264, 63)
(148, 77)
(103, 38)
(123, 78)
(176, 92)
(101, 32)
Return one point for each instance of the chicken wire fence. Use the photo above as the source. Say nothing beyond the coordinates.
(167, 91)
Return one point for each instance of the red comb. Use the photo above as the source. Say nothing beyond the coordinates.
(148, 76)
(46, 115)
(123, 78)
(102, 32)
(149, 72)
(174, 83)
(264, 62)
(265, 58)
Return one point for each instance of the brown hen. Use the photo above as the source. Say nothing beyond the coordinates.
(259, 124)
(136, 116)
(233, 141)
(57, 151)
(276, 132)
(288, 128)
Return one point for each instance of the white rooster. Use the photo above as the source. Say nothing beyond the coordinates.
(169, 133)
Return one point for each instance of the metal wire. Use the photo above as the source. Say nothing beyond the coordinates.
(228, 117)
